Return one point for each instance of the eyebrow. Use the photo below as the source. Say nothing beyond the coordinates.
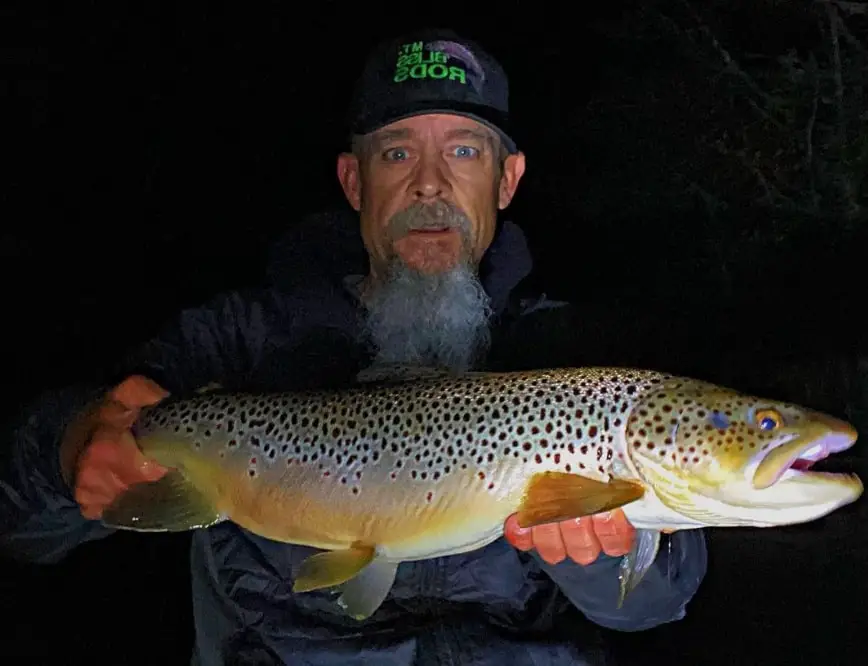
(382, 136)
(464, 133)
(469, 134)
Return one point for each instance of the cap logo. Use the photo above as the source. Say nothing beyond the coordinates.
(438, 60)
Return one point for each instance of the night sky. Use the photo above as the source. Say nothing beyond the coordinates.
(157, 152)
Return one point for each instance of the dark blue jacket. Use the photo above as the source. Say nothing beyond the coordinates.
(493, 606)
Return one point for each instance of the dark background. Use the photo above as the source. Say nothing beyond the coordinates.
(157, 151)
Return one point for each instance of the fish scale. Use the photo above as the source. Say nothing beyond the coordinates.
(422, 435)
(429, 463)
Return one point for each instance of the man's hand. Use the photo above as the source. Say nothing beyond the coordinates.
(99, 454)
(582, 540)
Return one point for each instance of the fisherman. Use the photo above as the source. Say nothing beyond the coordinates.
(420, 270)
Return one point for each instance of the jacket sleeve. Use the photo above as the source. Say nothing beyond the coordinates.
(39, 519)
(661, 596)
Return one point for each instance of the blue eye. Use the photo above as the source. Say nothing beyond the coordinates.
(768, 419)
(395, 154)
(466, 151)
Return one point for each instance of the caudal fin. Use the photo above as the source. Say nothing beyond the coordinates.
(171, 504)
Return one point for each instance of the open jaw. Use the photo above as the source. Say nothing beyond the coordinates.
(797, 456)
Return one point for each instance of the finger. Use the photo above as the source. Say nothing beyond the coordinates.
(92, 511)
(131, 465)
(548, 543)
(113, 461)
(91, 503)
(580, 540)
(614, 532)
(94, 468)
(138, 391)
(518, 537)
(116, 414)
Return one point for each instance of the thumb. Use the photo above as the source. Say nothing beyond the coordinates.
(137, 391)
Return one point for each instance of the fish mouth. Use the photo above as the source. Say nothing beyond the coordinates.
(821, 438)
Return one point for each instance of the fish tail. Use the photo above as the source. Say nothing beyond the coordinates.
(170, 504)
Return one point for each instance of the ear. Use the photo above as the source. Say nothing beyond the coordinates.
(350, 178)
(513, 170)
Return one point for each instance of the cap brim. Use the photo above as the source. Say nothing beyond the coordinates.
(491, 118)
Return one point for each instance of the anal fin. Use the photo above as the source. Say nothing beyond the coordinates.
(331, 568)
(170, 504)
(554, 496)
(635, 564)
(362, 596)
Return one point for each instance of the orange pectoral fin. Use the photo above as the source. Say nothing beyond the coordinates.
(554, 496)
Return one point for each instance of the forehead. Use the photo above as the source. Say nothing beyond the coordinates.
(436, 126)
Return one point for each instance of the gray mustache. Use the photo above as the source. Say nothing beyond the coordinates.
(421, 216)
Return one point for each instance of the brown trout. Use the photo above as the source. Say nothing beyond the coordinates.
(414, 464)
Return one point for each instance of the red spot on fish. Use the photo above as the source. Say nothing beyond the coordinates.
(649, 445)
(557, 458)
(491, 486)
(592, 431)
(429, 496)
(355, 491)
(481, 476)
(568, 468)
(571, 448)
(326, 473)
(394, 475)
(253, 461)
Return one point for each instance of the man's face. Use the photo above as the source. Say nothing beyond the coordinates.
(427, 190)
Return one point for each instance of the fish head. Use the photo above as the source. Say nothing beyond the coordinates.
(720, 457)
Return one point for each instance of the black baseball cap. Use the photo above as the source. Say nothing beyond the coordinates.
(431, 71)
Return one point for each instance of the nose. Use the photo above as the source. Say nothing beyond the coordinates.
(430, 180)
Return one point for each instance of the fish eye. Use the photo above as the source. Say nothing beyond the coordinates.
(768, 419)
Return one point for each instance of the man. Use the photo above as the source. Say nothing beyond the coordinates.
(423, 273)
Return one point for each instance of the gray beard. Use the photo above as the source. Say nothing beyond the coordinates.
(429, 320)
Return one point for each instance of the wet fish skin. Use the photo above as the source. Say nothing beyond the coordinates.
(432, 464)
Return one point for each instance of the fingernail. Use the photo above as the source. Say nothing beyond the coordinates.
(605, 516)
(151, 470)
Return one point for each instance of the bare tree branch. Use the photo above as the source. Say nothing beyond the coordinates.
(850, 7)
(734, 67)
(832, 14)
(849, 37)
